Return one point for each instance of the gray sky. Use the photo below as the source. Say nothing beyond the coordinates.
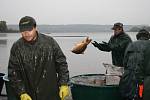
(77, 11)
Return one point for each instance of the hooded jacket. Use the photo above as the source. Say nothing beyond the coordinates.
(37, 68)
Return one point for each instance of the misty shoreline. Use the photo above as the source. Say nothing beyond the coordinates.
(77, 28)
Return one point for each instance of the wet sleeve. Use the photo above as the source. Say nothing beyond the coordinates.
(14, 73)
(61, 65)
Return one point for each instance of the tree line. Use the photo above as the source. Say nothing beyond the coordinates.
(4, 28)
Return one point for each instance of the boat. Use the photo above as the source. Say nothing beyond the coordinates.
(92, 87)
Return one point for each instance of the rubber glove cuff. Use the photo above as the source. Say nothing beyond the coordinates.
(64, 91)
(25, 96)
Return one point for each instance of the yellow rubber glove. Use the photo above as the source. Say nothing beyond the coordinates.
(64, 91)
(25, 96)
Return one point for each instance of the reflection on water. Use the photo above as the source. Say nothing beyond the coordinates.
(89, 62)
(3, 39)
(3, 42)
(3, 34)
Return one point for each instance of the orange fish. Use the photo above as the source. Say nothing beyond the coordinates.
(80, 47)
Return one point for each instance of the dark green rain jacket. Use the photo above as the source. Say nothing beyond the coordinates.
(38, 68)
(134, 64)
(118, 45)
(143, 71)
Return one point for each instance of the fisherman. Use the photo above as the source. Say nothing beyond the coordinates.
(135, 60)
(117, 44)
(143, 34)
(37, 67)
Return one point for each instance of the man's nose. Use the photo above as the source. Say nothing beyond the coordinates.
(26, 33)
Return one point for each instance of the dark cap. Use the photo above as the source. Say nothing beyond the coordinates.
(26, 23)
(117, 25)
(143, 35)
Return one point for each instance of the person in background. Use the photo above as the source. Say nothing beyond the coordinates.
(143, 35)
(117, 44)
(37, 67)
(136, 69)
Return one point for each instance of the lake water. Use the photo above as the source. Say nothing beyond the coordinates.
(87, 63)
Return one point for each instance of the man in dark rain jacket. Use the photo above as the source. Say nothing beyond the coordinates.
(135, 61)
(37, 67)
(143, 72)
(117, 44)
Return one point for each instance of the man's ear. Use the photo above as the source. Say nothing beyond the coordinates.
(36, 28)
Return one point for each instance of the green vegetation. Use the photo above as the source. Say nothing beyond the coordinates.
(4, 28)
(137, 28)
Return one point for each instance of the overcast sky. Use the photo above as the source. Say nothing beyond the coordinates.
(77, 11)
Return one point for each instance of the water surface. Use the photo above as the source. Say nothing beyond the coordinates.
(89, 62)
